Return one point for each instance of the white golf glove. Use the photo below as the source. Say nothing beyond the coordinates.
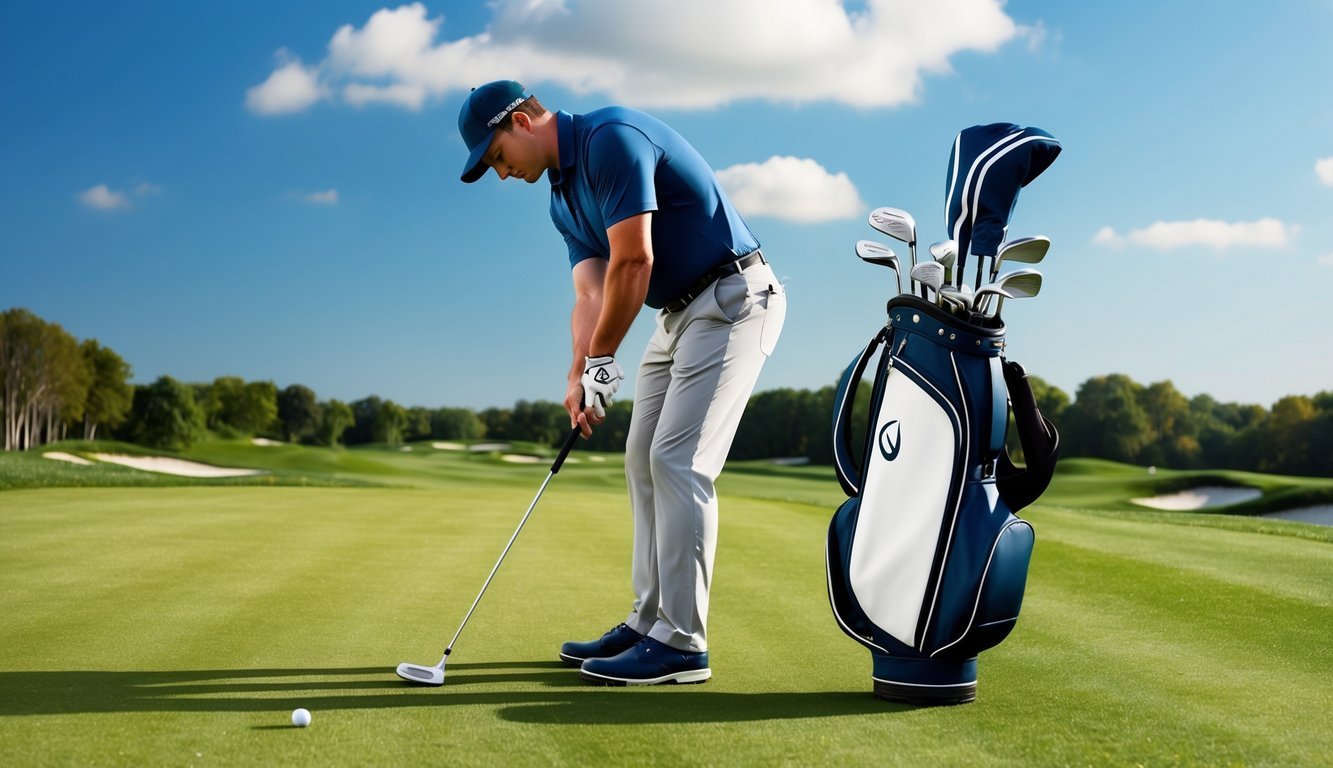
(601, 378)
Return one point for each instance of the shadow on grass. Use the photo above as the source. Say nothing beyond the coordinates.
(533, 692)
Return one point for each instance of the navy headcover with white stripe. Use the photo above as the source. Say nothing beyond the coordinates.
(989, 164)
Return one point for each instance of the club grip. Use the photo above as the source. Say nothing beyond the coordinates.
(566, 448)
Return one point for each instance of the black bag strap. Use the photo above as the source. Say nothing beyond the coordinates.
(1020, 486)
(846, 455)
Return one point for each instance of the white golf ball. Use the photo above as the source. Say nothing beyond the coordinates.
(301, 718)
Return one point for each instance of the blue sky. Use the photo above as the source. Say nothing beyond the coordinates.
(271, 190)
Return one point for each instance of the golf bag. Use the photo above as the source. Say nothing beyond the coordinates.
(926, 561)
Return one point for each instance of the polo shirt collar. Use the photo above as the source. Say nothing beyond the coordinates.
(565, 136)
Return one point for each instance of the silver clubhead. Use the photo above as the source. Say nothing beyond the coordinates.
(1025, 250)
(930, 274)
(415, 673)
(895, 223)
(873, 252)
(946, 253)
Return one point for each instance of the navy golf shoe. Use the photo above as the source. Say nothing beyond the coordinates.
(618, 639)
(648, 663)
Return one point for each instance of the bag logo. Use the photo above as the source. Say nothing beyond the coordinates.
(890, 440)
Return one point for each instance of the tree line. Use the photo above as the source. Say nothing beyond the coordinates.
(57, 387)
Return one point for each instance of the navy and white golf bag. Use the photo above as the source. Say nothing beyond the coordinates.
(926, 560)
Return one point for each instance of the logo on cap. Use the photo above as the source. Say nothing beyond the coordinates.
(494, 121)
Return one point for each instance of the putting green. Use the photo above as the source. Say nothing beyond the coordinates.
(182, 625)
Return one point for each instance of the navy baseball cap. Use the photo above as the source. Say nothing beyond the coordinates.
(483, 110)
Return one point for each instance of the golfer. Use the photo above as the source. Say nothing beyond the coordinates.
(645, 222)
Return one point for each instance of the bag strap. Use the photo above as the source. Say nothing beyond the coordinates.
(1020, 486)
(845, 455)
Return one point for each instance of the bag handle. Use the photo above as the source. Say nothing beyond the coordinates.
(845, 455)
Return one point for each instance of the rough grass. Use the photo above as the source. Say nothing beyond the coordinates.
(181, 625)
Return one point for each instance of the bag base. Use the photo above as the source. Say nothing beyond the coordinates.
(924, 682)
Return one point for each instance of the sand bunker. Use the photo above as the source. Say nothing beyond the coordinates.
(518, 459)
(1319, 515)
(447, 446)
(1200, 498)
(265, 442)
(71, 458)
(168, 466)
(487, 447)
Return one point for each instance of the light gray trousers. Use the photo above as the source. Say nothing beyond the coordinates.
(695, 379)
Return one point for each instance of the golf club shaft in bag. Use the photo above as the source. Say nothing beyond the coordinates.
(427, 675)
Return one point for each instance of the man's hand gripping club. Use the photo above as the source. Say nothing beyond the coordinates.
(601, 378)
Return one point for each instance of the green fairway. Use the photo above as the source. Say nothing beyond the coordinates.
(180, 624)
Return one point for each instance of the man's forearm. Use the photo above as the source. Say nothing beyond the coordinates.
(626, 287)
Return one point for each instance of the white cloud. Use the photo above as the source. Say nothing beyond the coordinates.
(1326, 260)
(791, 188)
(103, 198)
(1220, 235)
(1324, 169)
(653, 54)
(292, 87)
(327, 197)
(1108, 237)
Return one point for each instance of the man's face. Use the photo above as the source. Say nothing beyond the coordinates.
(514, 154)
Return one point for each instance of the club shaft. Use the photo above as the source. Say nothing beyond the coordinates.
(569, 443)
(508, 546)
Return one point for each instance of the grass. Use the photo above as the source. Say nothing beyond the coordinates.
(181, 624)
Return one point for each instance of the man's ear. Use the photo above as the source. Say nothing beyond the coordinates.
(522, 120)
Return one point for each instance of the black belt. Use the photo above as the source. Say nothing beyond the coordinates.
(701, 285)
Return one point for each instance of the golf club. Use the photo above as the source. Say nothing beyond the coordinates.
(930, 274)
(946, 253)
(898, 224)
(1023, 284)
(423, 675)
(1024, 250)
(880, 254)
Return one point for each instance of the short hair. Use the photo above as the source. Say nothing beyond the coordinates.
(530, 107)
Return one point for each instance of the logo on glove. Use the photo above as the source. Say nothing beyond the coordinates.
(601, 377)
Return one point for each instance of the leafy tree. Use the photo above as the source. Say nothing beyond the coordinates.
(43, 379)
(418, 425)
(245, 408)
(456, 424)
(496, 421)
(164, 415)
(109, 392)
(539, 421)
(1106, 420)
(1167, 412)
(335, 418)
(298, 412)
(389, 421)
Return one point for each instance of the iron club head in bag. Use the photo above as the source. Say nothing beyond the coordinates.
(946, 253)
(423, 675)
(1024, 250)
(880, 254)
(898, 224)
(1021, 284)
(930, 274)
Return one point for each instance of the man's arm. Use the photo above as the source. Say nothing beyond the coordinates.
(589, 280)
(607, 298)
(626, 282)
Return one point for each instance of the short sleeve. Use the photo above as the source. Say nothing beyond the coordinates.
(622, 163)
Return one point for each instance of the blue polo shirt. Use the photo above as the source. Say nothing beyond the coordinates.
(618, 162)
